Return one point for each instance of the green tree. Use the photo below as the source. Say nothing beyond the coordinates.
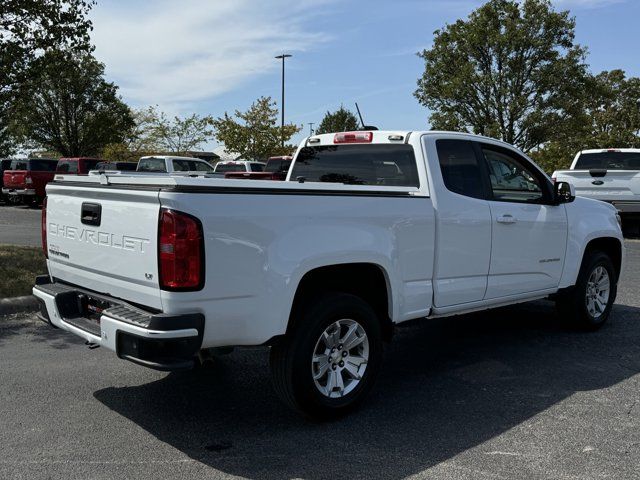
(255, 134)
(610, 119)
(511, 71)
(342, 120)
(29, 28)
(178, 135)
(66, 105)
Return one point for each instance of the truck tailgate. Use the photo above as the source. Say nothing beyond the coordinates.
(605, 184)
(105, 240)
(15, 178)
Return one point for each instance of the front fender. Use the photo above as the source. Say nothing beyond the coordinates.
(587, 220)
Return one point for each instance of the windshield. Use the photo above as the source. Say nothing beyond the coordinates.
(379, 164)
(609, 161)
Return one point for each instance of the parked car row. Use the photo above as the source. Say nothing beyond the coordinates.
(23, 181)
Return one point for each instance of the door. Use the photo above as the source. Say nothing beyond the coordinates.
(463, 222)
(529, 234)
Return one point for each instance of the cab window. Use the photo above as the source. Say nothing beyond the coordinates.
(460, 168)
(66, 166)
(151, 165)
(512, 178)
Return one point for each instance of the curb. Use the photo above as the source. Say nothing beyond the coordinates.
(27, 303)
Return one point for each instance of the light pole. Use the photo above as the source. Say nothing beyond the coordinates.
(283, 56)
(311, 128)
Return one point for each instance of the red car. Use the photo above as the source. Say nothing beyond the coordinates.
(28, 178)
(77, 166)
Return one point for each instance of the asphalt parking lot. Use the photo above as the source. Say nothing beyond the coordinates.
(506, 394)
(20, 225)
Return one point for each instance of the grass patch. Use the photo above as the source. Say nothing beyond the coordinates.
(19, 267)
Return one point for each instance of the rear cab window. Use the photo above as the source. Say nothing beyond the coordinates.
(19, 165)
(151, 165)
(372, 164)
(38, 165)
(230, 167)
(257, 167)
(191, 166)
(608, 161)
(67, 166)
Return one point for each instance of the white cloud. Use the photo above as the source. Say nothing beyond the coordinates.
(176, 53)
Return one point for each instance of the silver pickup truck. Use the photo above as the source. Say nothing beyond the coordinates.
(610, 175)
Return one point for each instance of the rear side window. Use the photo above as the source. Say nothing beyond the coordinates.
(377, 164)
(608, 161)
(151, 165)
(257, 167)
(67, 166)
(460, 168)
(42, 165)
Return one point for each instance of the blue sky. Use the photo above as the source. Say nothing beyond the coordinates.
(212, 56)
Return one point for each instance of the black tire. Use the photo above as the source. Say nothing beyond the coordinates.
(291, 358)
(572, 304)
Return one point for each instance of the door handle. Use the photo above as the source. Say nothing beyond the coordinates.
(507, 219)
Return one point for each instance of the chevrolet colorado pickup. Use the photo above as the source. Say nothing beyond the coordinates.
(611, 175)
(371, 229)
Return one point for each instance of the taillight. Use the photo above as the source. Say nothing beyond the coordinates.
(180, 251)
(353, 137)
(27, 179)
(43, 227)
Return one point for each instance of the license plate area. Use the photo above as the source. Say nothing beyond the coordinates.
(82, 310)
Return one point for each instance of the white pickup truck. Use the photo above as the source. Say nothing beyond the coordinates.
(611, 175)
(371, 229)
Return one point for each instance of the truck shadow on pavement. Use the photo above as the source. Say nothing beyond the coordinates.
(447, 385)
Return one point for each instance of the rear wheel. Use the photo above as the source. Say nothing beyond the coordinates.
(587, 305)
(329, 361)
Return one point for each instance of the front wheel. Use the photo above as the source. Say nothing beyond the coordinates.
(587, 305)
(328, 363)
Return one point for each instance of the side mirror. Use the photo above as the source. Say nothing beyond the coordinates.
(564, 192)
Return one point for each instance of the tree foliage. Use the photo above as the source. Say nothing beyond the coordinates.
(511, 71)
(155, 132)
(179, 135)
(29, 28)
(610, 118)
(342, 120)
(255, 134)
(65, 104)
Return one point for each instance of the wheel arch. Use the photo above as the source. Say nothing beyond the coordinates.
(369, 281)
(608, 245)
